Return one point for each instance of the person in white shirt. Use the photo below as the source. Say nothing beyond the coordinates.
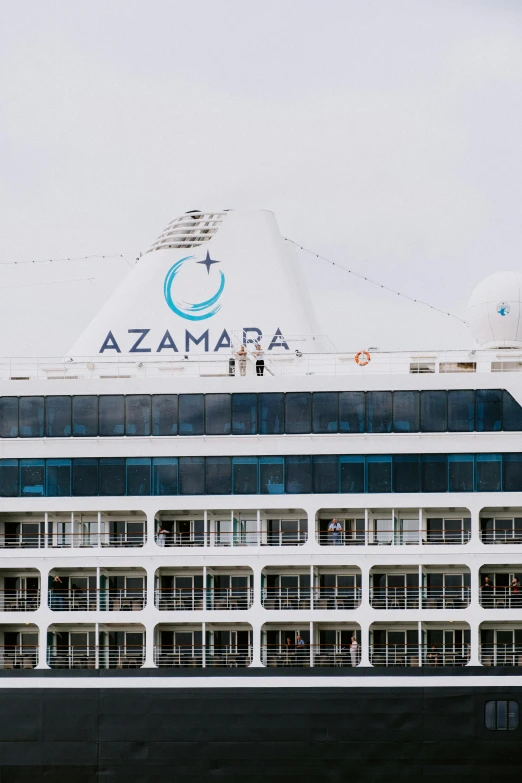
(353, 651)
(335, 532)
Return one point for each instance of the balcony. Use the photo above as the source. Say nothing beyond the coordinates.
(196, 599)
(36, 530)
(457, 597)
(501, 526)
(91, 600)
(191, 656)
(18, 656)
(501, 587)
(434, 644)
(95, 657)
(310, 655)
(403, 655)
(295, 598)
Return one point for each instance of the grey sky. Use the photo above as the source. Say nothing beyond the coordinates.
(384, 134)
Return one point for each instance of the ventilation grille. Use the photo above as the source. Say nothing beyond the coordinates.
(189, 230)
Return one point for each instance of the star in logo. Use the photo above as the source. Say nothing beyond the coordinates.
(208, 262)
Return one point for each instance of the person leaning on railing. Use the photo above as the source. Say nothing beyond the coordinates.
(335, 532)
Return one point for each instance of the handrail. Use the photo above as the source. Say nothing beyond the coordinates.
(22, 656)
(95, 657)
(412, 654)
(501, 536)
(500, 597)
(496, 654)
(91, 599)
(231, 539)
(198, 598)
(280, 598)
(372, 537)
(299, 655)
(411, 597)
(198, 655)
(24, 600)
(72, 540)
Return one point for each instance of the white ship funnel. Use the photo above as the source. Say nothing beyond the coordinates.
(210, 282)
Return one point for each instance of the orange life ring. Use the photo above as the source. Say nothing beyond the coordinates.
(362, 362)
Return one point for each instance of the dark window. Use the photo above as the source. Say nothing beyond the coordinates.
(192, 474)
(271, 414)
(297, 412)
(112, 476)
(32, 479)
(112, 415)
(244, 475)
(406, 473)
(460, 472)
(137, 414)
(217, 414)
(325, 407)
(298, 475)
(58, 414)
(501, 715)
(244, 414)
(165, 414)
(85, 416)
(85, 477)
(489, 472)
(379, 473)
(379, 411)
(31, 421)
(351, 411)
(165, 475)
(406, 411)
(219, 475)
(434, 473)
(512, 472)
(272, 475)
(9, 478)
(488, 410)
(512, 413)
(138, 476)
(461, 411)
(8, 417)
(325, 473)
(191, 415)
(352, 474)
(58, 477)
(433, 411)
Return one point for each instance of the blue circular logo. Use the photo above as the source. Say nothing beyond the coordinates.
(503, 308)
(193, 311)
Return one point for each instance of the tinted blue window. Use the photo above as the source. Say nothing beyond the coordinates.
(298, 475)
(352, 474)
(165, 414)
(512, 472)
(138, 476)
(191, 475)
(272, 475)
(85, 477)
(271, 414)
(406, 411)
(461, 411)
(244, 414)
(512, 413)
(9, 478)
(379, 411)
(32, 477)
(191, 414)
(112, 415)
(325, 407)
(137, 414)
(488, 410)
(434, 473)
(219, 475)
(406, 473)
(489, 472)
(58, 415)
(460, 472)
(325, 472)
(379, 473)
(8, 417)
(58, 476)
(31, 417)
(244, 475)
(165, 475)
(298, 406)
(351, 411)
(217, 414)
(85, 416)
(112, 476)
(433, 411)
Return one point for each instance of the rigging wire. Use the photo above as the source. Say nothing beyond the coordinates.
(49, 282)
(71, 260)
(375, 282)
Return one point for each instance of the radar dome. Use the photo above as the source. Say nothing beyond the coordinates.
(495, 309)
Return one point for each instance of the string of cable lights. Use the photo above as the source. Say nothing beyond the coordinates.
(72, 259)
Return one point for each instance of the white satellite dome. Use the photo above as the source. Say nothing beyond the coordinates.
(495, 309)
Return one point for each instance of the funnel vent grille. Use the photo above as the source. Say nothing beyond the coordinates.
(189, 230)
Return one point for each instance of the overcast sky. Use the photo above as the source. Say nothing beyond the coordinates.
(385, 134)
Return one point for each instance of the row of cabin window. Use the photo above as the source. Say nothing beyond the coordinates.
(250, 414)
(261, 475)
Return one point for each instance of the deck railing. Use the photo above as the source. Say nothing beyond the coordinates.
(19, 600)
(230, 539)
(104, 599)
(291, 598)
(95, 657)
(413, 654)
(194, 655)
(501, 536)
(501, 597)
(71, 540)
(304, 655)
(425, 597)
(199, 598)
(371, 537)
(501, 654)
(18, 656)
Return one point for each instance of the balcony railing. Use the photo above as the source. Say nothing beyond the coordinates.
(501, 654)
(91, 657)
(18, 657)
(229, 539)
(426, 597)
(19, 600)
(193, 655)
(501, 536)
(389, 538)
(291, 598)
(501, 597)
(411, 655)
(198, 598)
(71, 540)
(304, 655)
(91, 600)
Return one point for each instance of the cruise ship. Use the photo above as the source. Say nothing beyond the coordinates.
(230, 551)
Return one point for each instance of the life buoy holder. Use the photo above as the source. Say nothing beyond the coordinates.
(362, 358)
